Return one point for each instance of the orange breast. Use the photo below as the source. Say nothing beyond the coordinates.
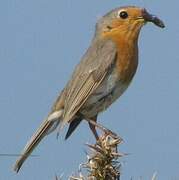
(127, 59)
(127, 56)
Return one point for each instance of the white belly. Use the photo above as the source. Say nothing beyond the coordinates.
(110, 89)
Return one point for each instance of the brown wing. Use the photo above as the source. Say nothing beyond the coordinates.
(87, 76)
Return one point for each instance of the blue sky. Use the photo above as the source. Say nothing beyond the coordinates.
(40, 43)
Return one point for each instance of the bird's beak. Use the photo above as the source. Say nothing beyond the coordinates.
(152, 18)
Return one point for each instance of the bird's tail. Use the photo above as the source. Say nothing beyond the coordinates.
(45, 128)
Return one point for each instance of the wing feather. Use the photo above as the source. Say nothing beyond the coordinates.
(88, 75)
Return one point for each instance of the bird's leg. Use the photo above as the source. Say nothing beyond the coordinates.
(94, 124)
(93, 128)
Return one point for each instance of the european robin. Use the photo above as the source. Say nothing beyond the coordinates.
(103, 74)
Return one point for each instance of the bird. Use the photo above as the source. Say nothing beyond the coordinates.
(105, 71)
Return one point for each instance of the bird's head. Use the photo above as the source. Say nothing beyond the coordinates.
(126, 21)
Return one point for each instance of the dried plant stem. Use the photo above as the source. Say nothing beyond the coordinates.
(103, 160)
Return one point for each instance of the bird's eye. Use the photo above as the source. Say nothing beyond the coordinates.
(123, 14)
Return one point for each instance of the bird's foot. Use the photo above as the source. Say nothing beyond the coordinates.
(110, 133)
(104, 129)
